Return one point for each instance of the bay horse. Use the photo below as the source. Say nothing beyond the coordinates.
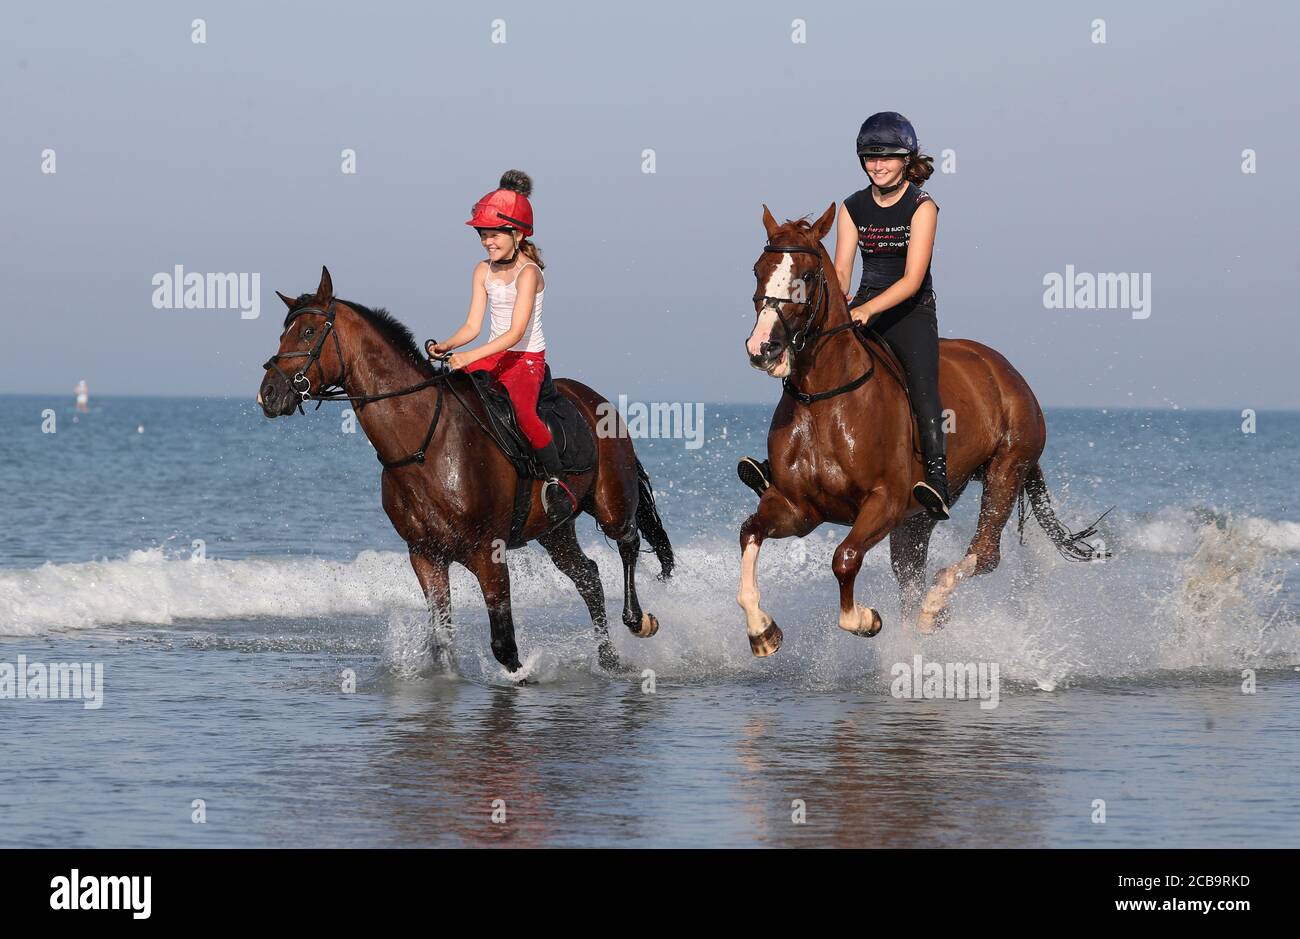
(447, 487)
(840, 441)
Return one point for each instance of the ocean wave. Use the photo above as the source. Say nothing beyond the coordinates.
(1183, 591)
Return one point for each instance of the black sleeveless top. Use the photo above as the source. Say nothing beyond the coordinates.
(884, 234)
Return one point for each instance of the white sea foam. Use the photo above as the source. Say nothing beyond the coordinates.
(1178, 594)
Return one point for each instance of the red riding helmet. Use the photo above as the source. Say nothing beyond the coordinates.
(506, 207)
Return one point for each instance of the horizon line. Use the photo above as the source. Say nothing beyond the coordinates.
(71, 398)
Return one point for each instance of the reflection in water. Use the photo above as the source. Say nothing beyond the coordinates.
(893, 774)
(593, 764)
(555, 760)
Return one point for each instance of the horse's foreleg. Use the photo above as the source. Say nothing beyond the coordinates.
(1002, 481)
(869, 528)
(489, 566)
(775, 518)
(909, 547)
(431, 571)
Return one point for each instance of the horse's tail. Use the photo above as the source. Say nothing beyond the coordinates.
(650, 525)
(1072, 545)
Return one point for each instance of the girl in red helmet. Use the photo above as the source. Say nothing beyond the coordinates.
(509, 285)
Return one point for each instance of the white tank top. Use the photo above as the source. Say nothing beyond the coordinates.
(501, 305)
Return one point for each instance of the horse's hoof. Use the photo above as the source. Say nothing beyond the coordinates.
(766, 642)
(649, 626)
(608, 658)
(871, 628)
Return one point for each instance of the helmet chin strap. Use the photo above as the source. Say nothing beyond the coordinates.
(515, 254)
(886, 190)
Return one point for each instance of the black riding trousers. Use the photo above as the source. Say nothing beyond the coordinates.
(911, 329)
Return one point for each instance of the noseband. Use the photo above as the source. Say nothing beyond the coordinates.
(334, 390)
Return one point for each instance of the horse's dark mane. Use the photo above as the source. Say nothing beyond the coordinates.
(396, 333)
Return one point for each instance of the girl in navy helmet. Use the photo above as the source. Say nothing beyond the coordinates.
(891, 224)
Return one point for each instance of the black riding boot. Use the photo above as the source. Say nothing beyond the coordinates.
(932, 492)
(557, 499)
(755, 475)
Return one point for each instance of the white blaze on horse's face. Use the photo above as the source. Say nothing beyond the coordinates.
(778, 287)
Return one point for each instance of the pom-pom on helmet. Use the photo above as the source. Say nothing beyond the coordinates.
(506, 206)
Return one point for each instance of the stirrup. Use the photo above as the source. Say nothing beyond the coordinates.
(931, 499)
(754, 474)
(559, 509)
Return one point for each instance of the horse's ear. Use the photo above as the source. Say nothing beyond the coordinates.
(325, 292)
(287, 300)
(823, 224)
(769, 222)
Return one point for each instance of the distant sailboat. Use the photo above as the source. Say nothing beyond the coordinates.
(83, 396)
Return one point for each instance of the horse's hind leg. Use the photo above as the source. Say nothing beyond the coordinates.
(614, 508)
(642, 625)
(562, 545)
(489, 566)
(1002, 481)
(431, 571)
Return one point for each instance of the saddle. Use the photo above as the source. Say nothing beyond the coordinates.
(572, 433)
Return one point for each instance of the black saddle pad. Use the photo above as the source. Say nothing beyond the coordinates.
(572, 433)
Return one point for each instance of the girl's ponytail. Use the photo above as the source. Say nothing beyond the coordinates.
(530, 251)
(920, 167)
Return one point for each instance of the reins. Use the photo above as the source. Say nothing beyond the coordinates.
(301, 383)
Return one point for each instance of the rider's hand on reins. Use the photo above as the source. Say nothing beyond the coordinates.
(435, 352)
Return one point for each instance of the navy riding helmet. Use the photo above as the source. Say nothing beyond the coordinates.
(887, 133)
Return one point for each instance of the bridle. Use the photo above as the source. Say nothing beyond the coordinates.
(799, 338)
(300, 383)
(817, 284)
(333, 390)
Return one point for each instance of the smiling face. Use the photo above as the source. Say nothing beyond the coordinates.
(499, 243)
(884, 171)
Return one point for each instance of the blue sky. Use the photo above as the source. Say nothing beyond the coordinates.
(1123, 156)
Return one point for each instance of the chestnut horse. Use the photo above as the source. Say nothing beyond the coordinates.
(451, 497)
(840, 442)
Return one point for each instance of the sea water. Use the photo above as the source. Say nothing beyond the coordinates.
(266, 681)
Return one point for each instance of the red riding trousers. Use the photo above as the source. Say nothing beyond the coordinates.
(521, 373)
